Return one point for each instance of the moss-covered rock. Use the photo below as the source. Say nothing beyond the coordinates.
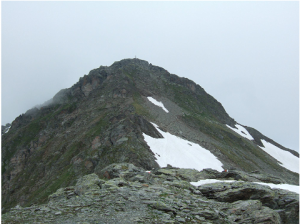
(89, 182)
(117, 200)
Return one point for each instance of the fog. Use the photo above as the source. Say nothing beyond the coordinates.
(245, 54)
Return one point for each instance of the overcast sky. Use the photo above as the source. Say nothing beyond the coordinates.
(245, 54)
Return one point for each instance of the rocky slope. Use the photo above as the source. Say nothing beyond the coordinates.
(101, 120)
(129, 194)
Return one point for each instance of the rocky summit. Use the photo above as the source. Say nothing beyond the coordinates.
(82, 156)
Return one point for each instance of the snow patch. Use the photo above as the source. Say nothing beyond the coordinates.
(157, 103)
(289, 187)
(210, 181)
(287, 159)
(241, 131)
(7, 129)
(181, 153)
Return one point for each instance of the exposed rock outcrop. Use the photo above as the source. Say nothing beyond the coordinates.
(129, 194)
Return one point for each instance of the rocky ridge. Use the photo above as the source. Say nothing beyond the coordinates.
(125, 193)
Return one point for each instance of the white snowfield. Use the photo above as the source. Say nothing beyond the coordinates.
(287, 159)
(289, 187)
(157, 103)
(241, 131)
(181, 153)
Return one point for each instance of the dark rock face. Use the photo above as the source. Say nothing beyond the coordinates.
(100, 121)
(124, 197)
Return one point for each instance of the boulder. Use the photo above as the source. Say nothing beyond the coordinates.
(209, 174)
(89, 182)
(116, 169)
(251, 177)
(190, 175)
(286, 202)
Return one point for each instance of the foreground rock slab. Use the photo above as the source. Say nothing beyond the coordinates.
(129, 194)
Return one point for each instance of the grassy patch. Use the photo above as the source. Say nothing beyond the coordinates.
(244, 164)
(71, 151)
(203, 124)
(69, 107)
(199, 103)
(41, 195)
(139, 109)
(98, 127)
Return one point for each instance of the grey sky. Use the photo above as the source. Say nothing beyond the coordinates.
(245, 54)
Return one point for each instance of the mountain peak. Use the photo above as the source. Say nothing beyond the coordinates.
(130, 61)
(118, 114)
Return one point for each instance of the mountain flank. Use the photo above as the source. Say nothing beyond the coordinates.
(103, 119)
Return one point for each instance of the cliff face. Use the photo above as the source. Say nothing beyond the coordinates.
(101, 120)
